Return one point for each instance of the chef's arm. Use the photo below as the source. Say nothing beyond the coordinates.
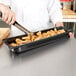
(55, 13)
(8, 15)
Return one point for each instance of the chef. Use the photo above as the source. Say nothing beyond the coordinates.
(34, 15)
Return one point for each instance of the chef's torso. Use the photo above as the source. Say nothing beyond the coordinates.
(32, 14)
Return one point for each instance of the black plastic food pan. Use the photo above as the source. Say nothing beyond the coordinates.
(38, 43)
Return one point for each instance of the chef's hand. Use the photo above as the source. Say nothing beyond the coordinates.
(8, 16)
(61, 24)
(71, 34)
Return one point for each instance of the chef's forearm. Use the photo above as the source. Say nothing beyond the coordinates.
(57, 17)
(55, 12)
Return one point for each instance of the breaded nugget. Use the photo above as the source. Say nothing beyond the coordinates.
(60, 31)
(18, 41)
(38, 33)
(13, 44)
(26, 41)
(48, 33)
(38, 38)
(33, 37)
(26, 37)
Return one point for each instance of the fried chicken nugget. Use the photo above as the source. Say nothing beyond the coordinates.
(48, 33)
(18, 41)
(44, 35)
(27, 37)
(38, 33)
(13, 44)
(26, 41)
(52, 32)
(33, 37)
(60, 31)
(38, 38)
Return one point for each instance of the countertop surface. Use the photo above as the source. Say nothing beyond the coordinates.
(58, 59)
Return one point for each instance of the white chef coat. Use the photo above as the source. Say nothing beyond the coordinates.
(36, 15)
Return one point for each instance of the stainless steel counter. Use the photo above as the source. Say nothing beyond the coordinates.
(51, 60)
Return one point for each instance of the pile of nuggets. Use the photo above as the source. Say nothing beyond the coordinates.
(34, 37)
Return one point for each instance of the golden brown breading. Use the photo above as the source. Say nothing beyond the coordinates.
(39, 35)
(18, 41)
(33, 37)
(38, 38)
(13, 44)
(26, 38)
